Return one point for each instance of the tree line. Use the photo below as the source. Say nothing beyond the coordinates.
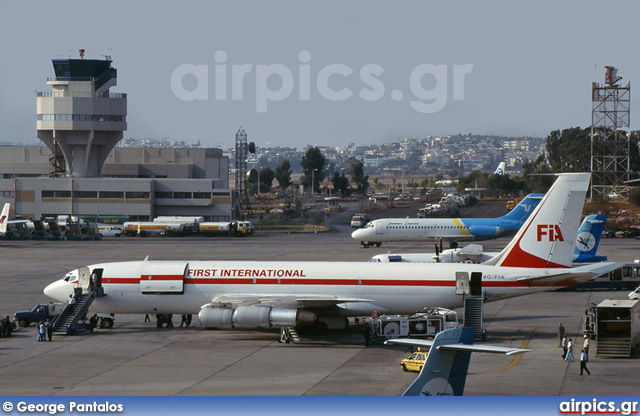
(314, 167)
(567, 150)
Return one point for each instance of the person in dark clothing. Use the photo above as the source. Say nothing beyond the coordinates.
(584, 358)
(560, 334)
(49, 327)
(9, 329)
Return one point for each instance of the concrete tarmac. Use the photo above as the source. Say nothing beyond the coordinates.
(135, 358)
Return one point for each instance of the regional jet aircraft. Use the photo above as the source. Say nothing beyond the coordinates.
(250, 294)
(587, 243)
(451, 229)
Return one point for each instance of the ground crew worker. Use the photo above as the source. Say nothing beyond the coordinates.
(560, 334)
(583, 362)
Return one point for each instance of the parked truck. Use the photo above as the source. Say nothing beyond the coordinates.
(39, 313)
(50, 311)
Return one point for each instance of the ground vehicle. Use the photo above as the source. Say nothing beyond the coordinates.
(38, 313)
(438, 210)
(418, 325)
(333, 204)
(160, 228)
(359, 220)
(626, 277)
(130, 228)
(189, 224)
(415, 361)
(245, 228)
(217, 228)
(617, 327)
(110, 230)
(6, 327)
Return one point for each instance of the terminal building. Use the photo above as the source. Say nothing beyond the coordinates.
(80, 171)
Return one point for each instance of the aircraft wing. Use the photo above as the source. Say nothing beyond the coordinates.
(458, 347)
(578, 275)
(470, 250)
(283, 301)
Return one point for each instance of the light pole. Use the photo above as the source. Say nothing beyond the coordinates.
(258, 194)
(313, 181)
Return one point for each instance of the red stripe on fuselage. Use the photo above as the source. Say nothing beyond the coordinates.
(316, 282)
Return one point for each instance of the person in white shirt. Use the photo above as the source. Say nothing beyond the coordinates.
(569, 350)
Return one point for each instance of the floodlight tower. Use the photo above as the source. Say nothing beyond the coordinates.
(242, 151)
(610, 146)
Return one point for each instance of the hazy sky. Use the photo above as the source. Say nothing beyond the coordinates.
(295, 73)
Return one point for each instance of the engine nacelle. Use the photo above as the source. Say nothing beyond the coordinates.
(212, 316)
(215, 317)
(485, 231)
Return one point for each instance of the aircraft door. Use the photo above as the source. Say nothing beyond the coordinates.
(84, 278)
(476, 284)
(165, 278)
(462, 283)
(379, 227)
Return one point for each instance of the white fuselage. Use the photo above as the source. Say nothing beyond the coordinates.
(184, 287)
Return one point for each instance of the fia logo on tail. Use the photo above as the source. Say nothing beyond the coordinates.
(551, 231)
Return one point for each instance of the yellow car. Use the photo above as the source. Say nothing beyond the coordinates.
(414, 362)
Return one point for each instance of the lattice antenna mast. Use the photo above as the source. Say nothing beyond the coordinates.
(610, 146)
(241, 161)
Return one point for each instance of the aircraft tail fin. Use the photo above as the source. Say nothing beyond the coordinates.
(4, 218)
(522, 211)
(589, 238)
(547, 238)
(500, 169)
(445, 371)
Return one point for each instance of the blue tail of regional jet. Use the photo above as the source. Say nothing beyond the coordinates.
(588, 239)
(445, 371)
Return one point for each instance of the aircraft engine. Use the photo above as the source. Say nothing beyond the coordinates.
(485, 231)
(253, 317)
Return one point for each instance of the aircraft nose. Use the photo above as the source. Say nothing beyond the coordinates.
(356, 234)
(58, 291)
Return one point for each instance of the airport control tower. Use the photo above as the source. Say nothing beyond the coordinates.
(80, 119)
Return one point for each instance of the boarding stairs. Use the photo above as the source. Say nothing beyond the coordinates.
(613, 347)
(73, 314)
(289, 334)
(473, 315)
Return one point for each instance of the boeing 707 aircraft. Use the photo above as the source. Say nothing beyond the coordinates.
(452, 229)
(252, 294)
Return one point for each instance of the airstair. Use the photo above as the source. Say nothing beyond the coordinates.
(73, 314)
(473, 315)
(613, 347)
(289, 334)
